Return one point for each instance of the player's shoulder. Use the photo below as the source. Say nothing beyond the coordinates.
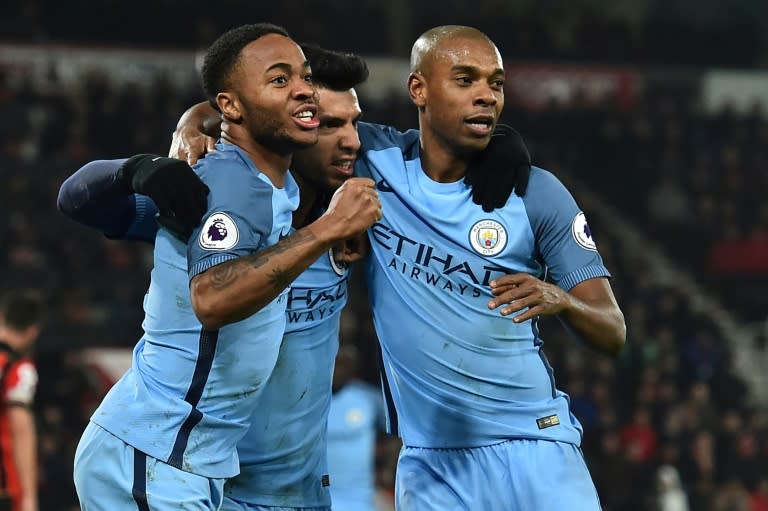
(543, 178)
(228, 162)
(229, 171)
(544, 184)
(376, 137)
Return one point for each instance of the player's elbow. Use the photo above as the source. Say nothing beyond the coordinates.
(207, 306)
(617, 336)
(64, 201)
(208, 315)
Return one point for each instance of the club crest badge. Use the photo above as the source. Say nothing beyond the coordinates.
(219, 232)
(338, 268)
(488, 237)
(581, 232)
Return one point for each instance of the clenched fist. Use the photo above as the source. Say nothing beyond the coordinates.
(354, 207)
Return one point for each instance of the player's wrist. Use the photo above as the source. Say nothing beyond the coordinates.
(326, 230)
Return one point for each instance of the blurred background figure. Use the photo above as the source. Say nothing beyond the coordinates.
(20, 324)
(759, 497)
(355, 422)
(670, 493)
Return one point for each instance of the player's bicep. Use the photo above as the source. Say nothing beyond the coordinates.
(596, 292)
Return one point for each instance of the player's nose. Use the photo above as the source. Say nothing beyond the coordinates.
(350, 140)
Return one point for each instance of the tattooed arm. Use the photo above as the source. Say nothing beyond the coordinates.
(238, 288)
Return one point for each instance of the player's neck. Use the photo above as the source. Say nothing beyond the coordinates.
(307, 202)
(439, 163)
(272, 164)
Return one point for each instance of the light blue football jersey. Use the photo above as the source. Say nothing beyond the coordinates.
(356, 416)
(457, 374)
(190, 393)
(283, 456)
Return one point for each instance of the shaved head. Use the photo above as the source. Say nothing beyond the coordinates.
(428, 45)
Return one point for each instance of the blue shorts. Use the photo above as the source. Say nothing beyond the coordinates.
(231, 505)
(519, 475)
(110, 475)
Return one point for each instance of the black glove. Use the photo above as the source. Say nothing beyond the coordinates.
(503, 166)
(174, 187)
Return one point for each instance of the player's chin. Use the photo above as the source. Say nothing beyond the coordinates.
(475, 144)
(333, 182)
(303, 139)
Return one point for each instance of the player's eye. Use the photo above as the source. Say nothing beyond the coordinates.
(464, 80)
(279, 80)
(308, 78)
(498, 84)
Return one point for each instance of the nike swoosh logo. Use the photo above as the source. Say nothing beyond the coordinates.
(155, 159)
(383, 186)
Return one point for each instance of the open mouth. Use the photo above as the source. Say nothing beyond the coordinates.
(344, 166)
(306, 117)
(482, 125)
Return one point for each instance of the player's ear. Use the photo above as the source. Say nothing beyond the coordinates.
(417, 89)
(229, 106)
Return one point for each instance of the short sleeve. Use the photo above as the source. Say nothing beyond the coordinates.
(563, 237)
(239, 217)
(21, 384)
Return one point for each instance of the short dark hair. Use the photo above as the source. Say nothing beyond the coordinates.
(335, 70)
(223, 55)
(21, 309)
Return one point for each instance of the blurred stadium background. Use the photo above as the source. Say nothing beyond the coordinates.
(652, 111)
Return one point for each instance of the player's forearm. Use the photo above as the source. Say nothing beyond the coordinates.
(597, 320)
(22, 426)
(202, 117)
(232, 291)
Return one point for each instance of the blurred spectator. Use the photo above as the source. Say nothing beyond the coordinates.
(355, 419)
(21, 316)
(759, 498)
(732, 497)
(638, 438)
(668, 204)
(670, 493)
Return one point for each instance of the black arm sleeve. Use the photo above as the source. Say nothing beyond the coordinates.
(93, 197)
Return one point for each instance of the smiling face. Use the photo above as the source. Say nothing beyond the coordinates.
(273, 94)
(329, 163)
(459, 89)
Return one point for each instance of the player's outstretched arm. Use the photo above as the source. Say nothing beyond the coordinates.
(114, 195)
(196, 133)
(590, 308)
(233, 290)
